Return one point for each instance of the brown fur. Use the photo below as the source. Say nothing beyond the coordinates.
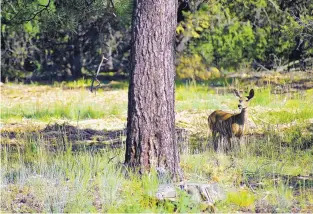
(228, 125)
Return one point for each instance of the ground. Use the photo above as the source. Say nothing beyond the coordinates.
(62, 147)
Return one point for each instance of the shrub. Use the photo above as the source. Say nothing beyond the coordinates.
(192, 67)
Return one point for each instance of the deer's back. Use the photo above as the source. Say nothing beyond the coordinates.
(218, 115)
(225, 123)
(220, 121)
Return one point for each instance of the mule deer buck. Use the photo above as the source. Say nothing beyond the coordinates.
(228, 125)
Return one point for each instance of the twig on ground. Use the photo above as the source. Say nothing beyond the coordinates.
(95, 77)
(112, 158)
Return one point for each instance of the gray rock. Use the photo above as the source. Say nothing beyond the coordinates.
(209, 193)
(166, 191)
(199, 192)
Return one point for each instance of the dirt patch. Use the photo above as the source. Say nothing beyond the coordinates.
(74, 134)
(61, 135)
(21, 200)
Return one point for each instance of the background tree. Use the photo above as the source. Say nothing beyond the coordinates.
(236, 34)
(61, 40)
(58, 40)
(151, 118)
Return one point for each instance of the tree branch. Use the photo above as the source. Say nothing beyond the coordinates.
(33, 16)
(96, 75)
(45, 7)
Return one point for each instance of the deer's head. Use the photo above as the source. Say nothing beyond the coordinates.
(244, 101)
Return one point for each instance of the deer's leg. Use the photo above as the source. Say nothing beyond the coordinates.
(229, 144)
(215, 141)
(241, 143)
(222, 146)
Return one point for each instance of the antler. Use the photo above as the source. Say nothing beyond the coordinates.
(236, 92)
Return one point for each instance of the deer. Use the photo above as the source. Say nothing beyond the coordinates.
(228, 125)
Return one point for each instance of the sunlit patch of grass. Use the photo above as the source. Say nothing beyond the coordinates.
(282, 108)
(285, 116)
(123, 85)
(63, 104)
(75, 83)
(86, 83)
(263, 97)
(191, 91)
(72, 111)
(241, 198)
(199, 97)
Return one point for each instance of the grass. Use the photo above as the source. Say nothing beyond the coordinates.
(36, 178)
(44, 103)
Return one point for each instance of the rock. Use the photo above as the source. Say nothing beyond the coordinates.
(209, 193)
(195, 193)
(199, 192)
(166, 191)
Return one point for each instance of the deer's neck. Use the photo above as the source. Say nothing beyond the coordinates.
(243, 116)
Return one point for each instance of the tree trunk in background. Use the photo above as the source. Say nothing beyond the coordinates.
(110, 49)
(151, 117)
(76, 62)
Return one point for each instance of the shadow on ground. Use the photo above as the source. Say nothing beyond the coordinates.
(61, 136)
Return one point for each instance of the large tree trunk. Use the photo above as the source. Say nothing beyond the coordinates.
(151, 118)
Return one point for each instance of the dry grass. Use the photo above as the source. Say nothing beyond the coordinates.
(35, 178)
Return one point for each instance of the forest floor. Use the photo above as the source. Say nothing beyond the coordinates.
(62, 147)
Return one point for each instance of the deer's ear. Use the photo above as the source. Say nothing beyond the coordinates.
(251, 94)
(236, 93)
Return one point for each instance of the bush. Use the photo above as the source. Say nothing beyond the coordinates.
(192, 67)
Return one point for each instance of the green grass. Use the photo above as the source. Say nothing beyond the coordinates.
(35, 178)
(74, 84)
(84, 181)
(86, 83)
(71, 111)
(63, 104)
(44, 103)
(91, 181)
(242, 198)
(287, 116)
(282, 108)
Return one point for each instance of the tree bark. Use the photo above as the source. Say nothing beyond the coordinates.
(151, 139)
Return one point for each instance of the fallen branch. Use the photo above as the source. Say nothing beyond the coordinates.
(95, 76)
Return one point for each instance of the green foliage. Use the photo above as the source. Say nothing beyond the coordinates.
(238, 33)
(57, 40)
(31, 28)
(124, 10)
(193, 68)
(193, 25)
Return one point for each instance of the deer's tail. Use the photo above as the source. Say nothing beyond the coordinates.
(211, 121)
